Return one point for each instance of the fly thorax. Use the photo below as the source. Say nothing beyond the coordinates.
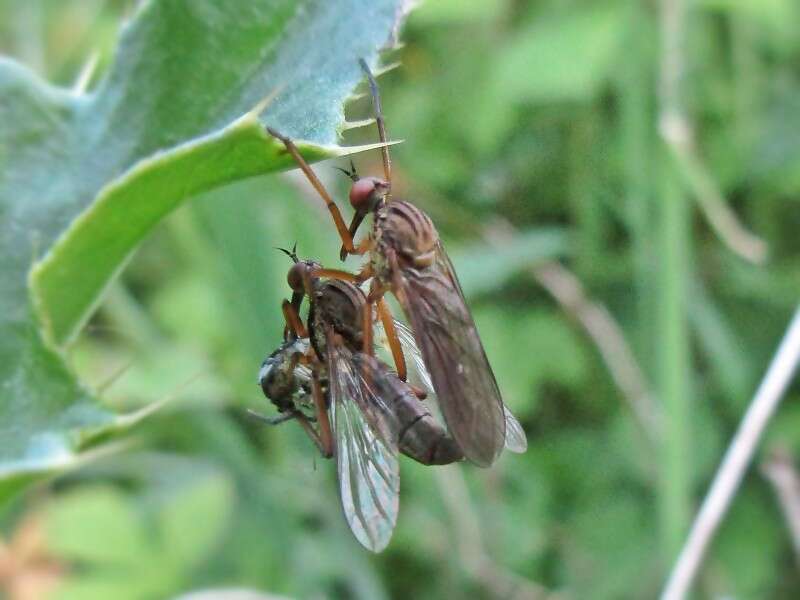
(377, 256)
(340, 308)
(410, 233)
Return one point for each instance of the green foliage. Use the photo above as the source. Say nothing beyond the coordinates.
(127, 552)
(543, 62)
(86, 176)
(531, 135)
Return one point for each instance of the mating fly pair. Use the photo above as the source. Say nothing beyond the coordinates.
(364, 413)
(330, 363)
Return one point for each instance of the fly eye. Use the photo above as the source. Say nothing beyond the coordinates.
(361, 192)
(295, 277)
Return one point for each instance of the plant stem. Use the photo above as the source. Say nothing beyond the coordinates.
(737, 458)
(672, 335)
(673, 361)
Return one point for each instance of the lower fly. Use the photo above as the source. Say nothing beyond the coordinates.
(351, 404)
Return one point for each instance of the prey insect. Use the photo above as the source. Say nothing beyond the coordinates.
(406, 257)
(364, 413)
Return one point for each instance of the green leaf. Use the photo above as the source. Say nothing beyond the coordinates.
(87, 175)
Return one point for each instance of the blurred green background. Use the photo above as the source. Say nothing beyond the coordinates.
(630, 293)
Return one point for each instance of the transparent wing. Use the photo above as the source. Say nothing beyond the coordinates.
(516, 440)
(365, 437)
(415, 365)
(462, 377)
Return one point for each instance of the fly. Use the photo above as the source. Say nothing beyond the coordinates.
(364, 413)
(407, 258)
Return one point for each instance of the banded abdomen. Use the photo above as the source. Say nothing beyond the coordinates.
(420, 435)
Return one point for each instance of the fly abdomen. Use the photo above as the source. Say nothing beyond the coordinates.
(427, 442)
(419, 435)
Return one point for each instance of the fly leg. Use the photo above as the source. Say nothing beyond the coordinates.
(325, 438)
(363, 246)
(282, 418)
(385, 314)
(368, 347)
(338, 221)
(394, 270)
(360, 277)
(293, 323)
(399, 292)
(376, 106)
(317, 438)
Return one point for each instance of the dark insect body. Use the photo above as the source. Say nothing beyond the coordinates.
(336, 315)
(407, 258)
(365, 414)
(335, 328)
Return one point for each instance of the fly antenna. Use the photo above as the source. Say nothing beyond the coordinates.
(291, 254)
(351, 173)
(376, 106)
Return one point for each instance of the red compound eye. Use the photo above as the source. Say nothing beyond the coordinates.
(295, 277)
(361, 192)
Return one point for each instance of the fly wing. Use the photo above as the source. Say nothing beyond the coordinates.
(462, 377)
(516, 440)
(417, 373)
(365, 437)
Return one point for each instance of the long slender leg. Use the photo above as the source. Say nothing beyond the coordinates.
(281, 418)
(360, 277)
(376, 105)
(368, 347)
(303, 420)
(336, 274)
(325, 434)
(366, 272)
(341, 227)
(363, 246)
(366, 329)
(394, 267)
(293, 322)
(399, 293)
(385, 314)
(312, 433)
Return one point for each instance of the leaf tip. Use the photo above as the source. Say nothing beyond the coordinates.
(86, 74)
(386, 68)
